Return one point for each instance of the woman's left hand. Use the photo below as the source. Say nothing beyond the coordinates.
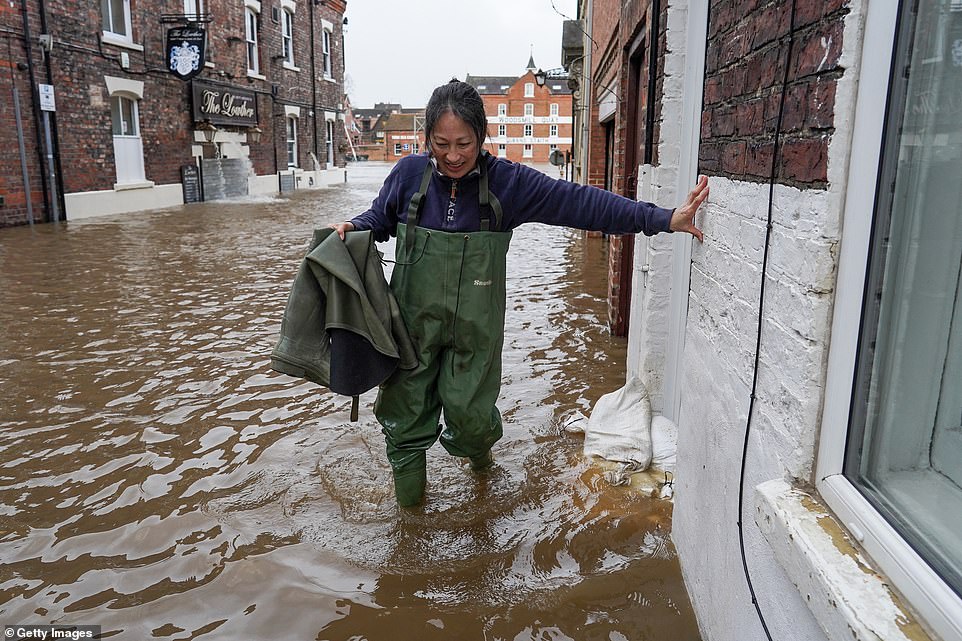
(683, 218)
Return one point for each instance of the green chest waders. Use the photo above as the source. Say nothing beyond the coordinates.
(451, 290)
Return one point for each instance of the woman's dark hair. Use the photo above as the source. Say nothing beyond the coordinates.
(463, 101)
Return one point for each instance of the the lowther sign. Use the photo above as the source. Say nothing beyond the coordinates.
(224, 105)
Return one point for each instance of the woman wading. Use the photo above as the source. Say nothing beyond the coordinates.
(452, 211)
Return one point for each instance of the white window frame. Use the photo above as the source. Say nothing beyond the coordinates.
(193, 8)
(554, 109)
(502, 151)
(397, 149)
(251, 39)
(287, 36)
(327, 49)
(925, 591)
(329, 144)
(529, 90)
(529, 109)
(110, 21)
(502, 131)
(528, 131)
(290, 127)
(553, 131)
(502, 109)
(528, 151)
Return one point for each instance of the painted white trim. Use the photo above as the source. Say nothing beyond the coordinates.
(850, 600)
(117, 86)
(687, 176)
(292, 110)
(117, 40)
(327, 26)
(289, 5)
(254, 5)
(936, 603)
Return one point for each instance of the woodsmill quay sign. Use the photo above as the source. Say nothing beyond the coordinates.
(223, 105)
(186, 51)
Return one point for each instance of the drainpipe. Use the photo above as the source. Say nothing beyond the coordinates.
(54, 144)
(313, 79)
(652, 78)
(34, 90)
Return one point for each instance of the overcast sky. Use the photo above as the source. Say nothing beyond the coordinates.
(399, 50)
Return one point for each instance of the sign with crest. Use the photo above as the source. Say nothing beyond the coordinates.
(186, 51)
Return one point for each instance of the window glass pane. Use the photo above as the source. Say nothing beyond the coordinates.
(326, 52)
(251, 37)
(123, 115)
(288, 36)
(291, 142)
(116, 117)
(118, 21)
(905, 446)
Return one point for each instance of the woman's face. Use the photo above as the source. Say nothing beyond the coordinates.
(454, 146)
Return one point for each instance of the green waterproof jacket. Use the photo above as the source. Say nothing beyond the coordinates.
(342, 327)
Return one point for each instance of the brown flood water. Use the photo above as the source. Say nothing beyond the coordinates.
(159, 480)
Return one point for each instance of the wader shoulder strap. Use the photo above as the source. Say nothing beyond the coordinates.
(414, 207)
(489, 202)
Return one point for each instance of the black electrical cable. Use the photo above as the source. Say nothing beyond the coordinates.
(761, 307)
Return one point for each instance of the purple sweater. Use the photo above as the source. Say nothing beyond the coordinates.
(526, 195)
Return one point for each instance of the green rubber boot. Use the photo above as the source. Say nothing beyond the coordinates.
(409, 487)
(482, 461)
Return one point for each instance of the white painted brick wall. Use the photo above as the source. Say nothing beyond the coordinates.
(719, 354)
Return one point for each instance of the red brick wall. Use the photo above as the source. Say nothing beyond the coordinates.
(14, 73)
(744, 65)
(617, 27)
(80, 61)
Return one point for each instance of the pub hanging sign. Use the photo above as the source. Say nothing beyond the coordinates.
(223, 105)
(186, 51)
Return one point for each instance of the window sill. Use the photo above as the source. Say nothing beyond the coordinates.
(290, 67)
(109, 38)
(143, 184)
(848, 597)
(255, 75)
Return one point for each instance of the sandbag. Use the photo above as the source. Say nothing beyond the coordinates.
(619, 427)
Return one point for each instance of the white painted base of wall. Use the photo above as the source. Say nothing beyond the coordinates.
(90, 204)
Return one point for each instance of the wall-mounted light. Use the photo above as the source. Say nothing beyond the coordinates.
(254, 135)
(208, 129)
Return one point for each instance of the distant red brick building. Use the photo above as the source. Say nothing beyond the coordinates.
(526, 121)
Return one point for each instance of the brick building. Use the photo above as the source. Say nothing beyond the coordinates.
(526, 120)
(100, 124)
(808, 351)
(399, 135)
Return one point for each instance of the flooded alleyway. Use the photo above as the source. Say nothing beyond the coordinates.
(159, 480)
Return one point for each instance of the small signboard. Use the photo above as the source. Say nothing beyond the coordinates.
(47, 101)
(190, 181)
(186, 51)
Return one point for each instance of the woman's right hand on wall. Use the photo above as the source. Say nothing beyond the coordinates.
(683, 218)
(342, 228)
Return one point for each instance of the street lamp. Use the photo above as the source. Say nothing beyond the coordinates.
(254, 135)
(559, 73)
(539, 77)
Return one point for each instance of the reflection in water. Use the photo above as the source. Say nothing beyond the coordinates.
(159, 480)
